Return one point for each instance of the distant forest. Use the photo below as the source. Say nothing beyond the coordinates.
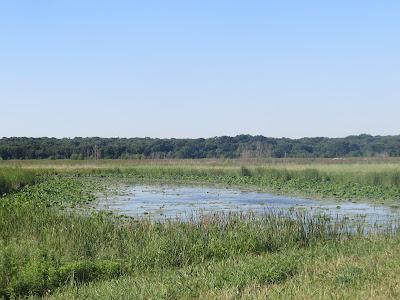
(241, 146)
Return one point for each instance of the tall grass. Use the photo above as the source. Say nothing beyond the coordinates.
(12, 179)
(276, 162)
(350, 178)
(43, 247)
(47, 246)
(360, 268)
(376, 181)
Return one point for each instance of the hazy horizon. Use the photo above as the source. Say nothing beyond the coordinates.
(178, 69)
(201, 137)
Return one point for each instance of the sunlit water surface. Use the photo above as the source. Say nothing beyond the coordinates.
(160, 202)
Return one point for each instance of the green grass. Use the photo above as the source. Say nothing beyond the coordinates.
(360, 268)
(373, 179)
(12, 179)
(372, 183)
(43, 248)
(52, 246)
(194, 281)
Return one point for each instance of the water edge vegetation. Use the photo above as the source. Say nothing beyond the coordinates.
(49, 248)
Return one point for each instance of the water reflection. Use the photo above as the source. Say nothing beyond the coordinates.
(165, 201)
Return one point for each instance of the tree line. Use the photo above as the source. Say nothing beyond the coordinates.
(241, 146)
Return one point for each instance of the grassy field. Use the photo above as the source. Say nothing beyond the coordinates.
(375, 180)
(50, 248)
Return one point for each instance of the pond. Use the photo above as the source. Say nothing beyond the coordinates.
(159, 202)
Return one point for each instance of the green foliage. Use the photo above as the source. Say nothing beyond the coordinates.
(360, 268)
(33, 271)
(245, 171)
(51, 244)
(369, 185)
(43, 247)
(244, 146)
(12, 179)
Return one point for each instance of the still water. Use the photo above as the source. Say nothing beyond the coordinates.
(182, 202)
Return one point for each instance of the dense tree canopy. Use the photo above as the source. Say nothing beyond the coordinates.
(244, 146)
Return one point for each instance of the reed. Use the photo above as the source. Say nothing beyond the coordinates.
(45, 244)
(52, 245)
(12, 179)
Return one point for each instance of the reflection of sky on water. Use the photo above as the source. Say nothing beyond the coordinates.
(159, 202)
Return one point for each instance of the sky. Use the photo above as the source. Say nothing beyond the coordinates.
(199, 68)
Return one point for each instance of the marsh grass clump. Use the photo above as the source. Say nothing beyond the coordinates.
(59, 248)
(11, 179)
(245, 171)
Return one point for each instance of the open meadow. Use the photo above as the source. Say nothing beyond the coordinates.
(54, 245)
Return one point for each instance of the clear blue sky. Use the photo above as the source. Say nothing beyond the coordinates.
(199, 68)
